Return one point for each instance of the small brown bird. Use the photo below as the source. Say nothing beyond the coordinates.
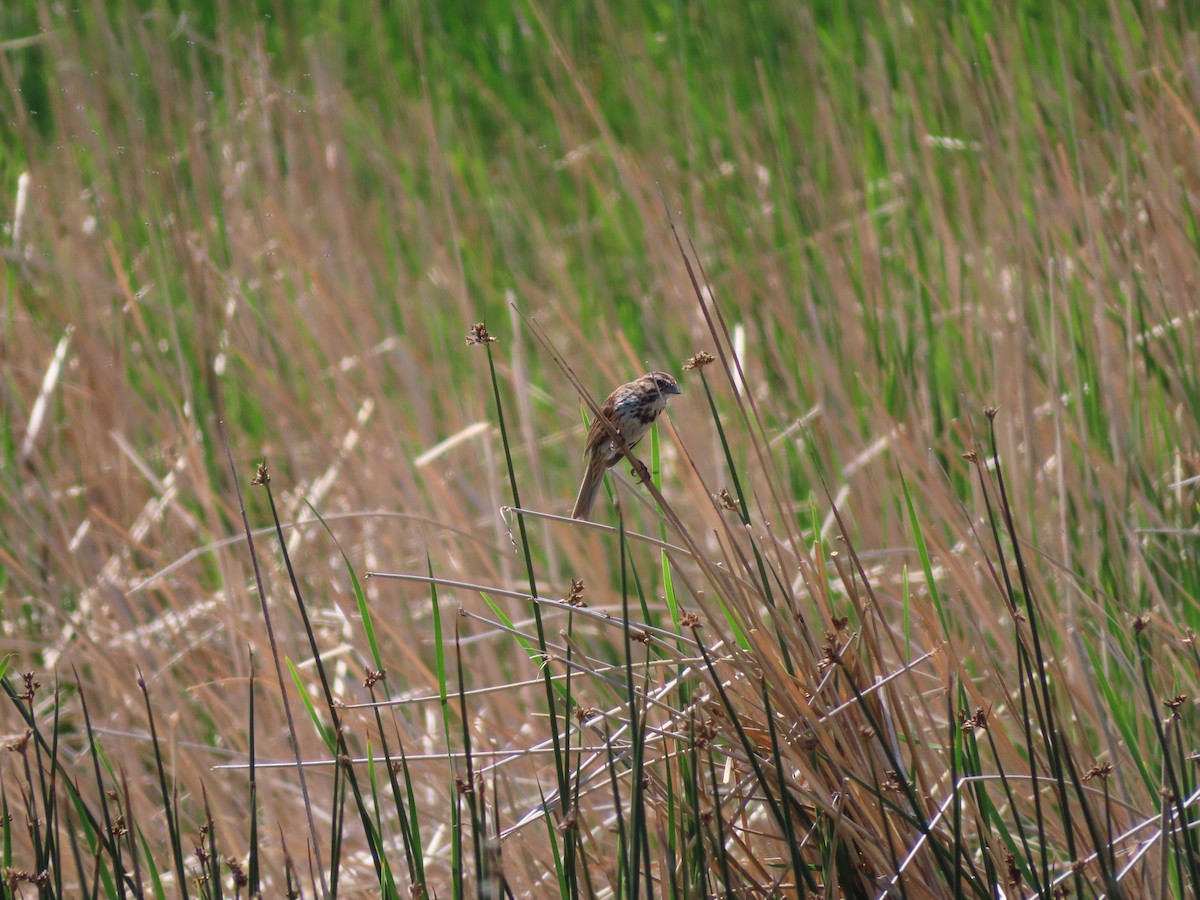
(631, 409)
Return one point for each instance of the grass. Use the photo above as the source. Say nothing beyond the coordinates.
(907, 606)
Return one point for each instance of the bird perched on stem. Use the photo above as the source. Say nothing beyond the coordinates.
(631, 409)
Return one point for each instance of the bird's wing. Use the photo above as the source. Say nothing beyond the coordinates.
(597, 433)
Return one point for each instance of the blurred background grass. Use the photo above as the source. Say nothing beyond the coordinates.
(287, 216)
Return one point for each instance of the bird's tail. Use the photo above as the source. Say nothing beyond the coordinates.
(592, 479)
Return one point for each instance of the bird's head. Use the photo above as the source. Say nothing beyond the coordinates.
(664, 382)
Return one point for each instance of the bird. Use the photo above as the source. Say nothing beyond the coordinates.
(631, 409)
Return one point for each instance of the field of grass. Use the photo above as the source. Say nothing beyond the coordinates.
(907, 608)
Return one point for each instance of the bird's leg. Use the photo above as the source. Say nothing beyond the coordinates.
(639, 472)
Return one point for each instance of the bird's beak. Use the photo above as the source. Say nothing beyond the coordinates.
(674, 389)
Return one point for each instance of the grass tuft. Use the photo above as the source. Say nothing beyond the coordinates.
(907, 606)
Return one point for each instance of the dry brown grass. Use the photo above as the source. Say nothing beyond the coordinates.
(221, 232)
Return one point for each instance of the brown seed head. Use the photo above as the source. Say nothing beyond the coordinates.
(478, 336)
